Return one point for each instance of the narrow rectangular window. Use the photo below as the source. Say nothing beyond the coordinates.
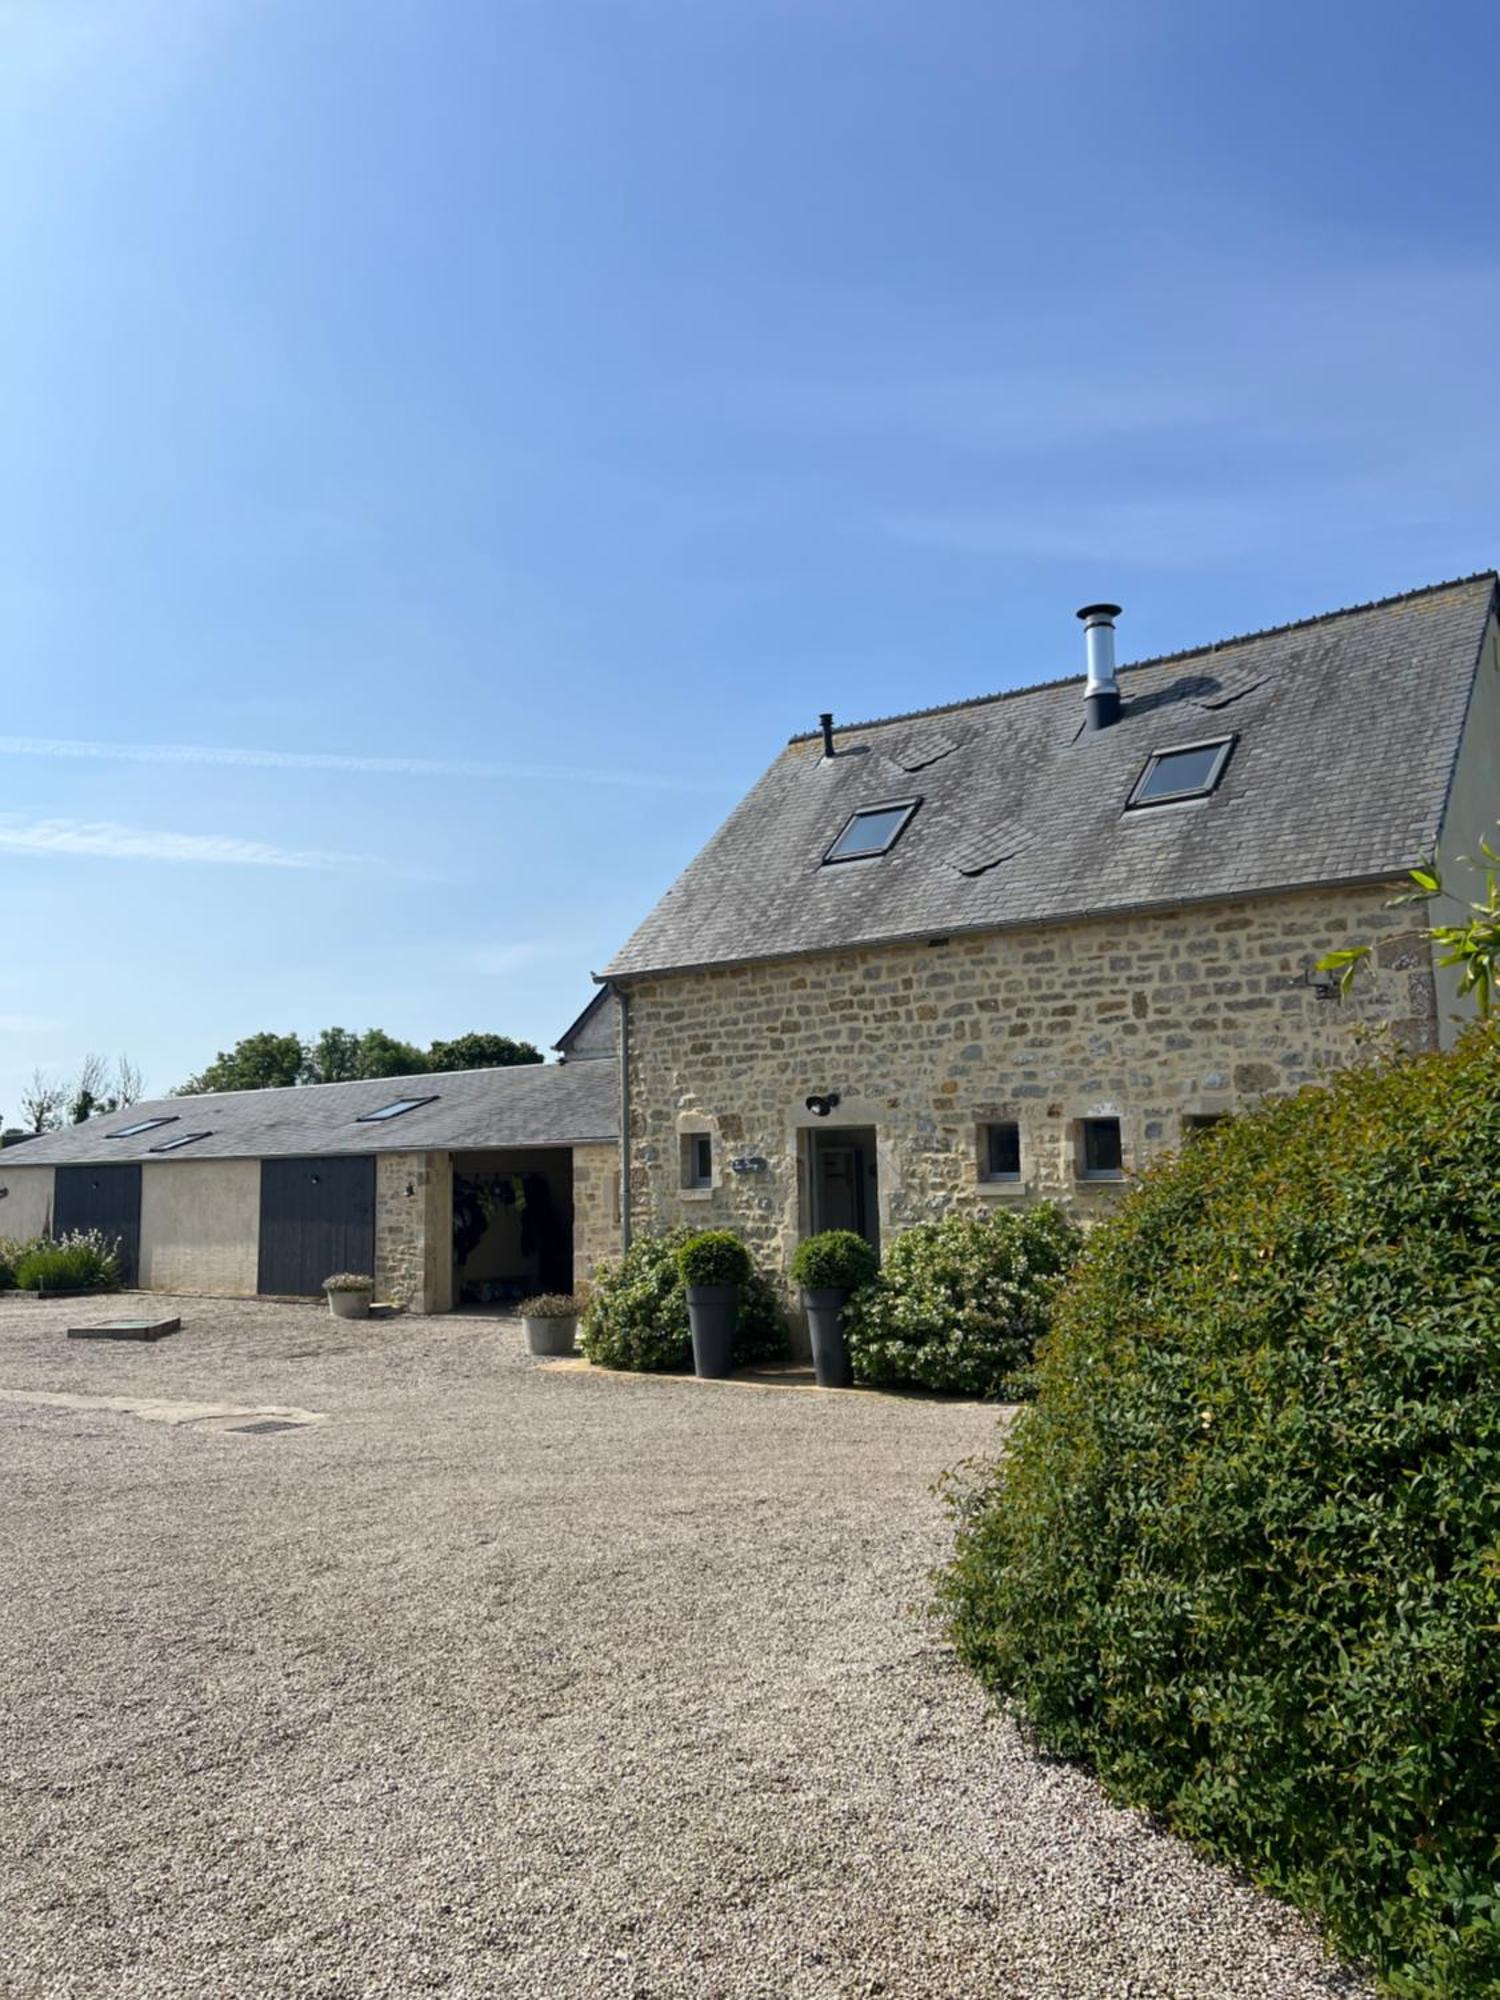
(697, 1160)
(1002, 1152)
(1100, 1157)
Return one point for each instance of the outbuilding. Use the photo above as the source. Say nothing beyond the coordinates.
(470, 1187)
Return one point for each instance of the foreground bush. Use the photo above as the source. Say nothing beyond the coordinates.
(1243, 1555)
(75, 1263)
(960, 1304)
(637, 1312)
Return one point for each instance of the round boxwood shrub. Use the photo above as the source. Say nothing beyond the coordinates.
(713, 1257)
(836, 1261)
(960, 1304)
(637, 1312)
(1243, 1554)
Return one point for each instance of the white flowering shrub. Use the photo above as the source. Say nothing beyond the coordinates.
(961, 1304)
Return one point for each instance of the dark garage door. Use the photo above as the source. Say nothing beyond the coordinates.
(316, 1217)
(104, 1198)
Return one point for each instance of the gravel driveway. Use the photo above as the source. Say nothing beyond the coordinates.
(506, 1680)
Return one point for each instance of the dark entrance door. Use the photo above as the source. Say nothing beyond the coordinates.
(104, 1198)
(843, 1183)
(316, 1217)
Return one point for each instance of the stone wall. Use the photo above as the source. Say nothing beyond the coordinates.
(414, 1230)
(1149, 1019)
(200, 1227)
(596, 1209)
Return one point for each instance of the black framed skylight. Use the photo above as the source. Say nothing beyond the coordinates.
(180, 1139)
(141, 1125)
(397, 1110)
(1188, 772)
(872, 830)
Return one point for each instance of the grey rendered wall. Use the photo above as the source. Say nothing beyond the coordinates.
(26, 1206)
(200, 1227)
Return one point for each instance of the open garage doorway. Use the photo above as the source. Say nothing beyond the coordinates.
(512, 1225)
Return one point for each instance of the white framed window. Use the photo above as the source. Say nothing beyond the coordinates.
(697, 1160)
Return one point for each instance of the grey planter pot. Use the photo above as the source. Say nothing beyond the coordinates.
(825, 1325)
(350, 1305)
(713, 1313)
(551, 1336)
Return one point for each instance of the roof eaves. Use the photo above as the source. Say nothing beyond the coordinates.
(1395, 875)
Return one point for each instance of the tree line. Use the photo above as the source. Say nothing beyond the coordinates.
(268, 1061)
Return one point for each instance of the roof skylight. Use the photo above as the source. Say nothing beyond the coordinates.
(1190, 772)
(141, 1125)
(872, 830)
(396, 1110)
(181, 1139)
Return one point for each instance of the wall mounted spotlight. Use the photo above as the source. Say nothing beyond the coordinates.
(821, 1106)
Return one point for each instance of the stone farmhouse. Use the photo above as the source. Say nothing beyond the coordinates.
(1016, 947)
(983, 954)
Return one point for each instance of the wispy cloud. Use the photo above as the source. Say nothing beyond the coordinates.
(110, 841)
(328, 760)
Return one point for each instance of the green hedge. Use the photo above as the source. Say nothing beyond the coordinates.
(637, 1312)
(960, 1304)
(1243, 1554)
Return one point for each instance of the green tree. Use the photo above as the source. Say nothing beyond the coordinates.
(332, 1058)
(381, 1054)
(481, 1051)
(259, 1062)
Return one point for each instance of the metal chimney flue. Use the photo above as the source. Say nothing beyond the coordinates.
(825, 723)
(1102, 693)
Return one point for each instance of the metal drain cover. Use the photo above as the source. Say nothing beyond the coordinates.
(267, 1425)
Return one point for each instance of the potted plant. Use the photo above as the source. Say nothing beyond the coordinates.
(349, 1294)
(551, 1321)
(828, 1268)
(713, 1266)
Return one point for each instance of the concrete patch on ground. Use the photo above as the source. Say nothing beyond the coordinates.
(161, 1410)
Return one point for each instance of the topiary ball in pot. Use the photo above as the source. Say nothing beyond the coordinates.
(828, 1268)
(714, 1265)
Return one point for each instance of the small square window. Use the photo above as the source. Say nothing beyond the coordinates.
(697, 1160)
(1188, 773)
(396, 1110)
(182, 1139)
(872, 830)
(141, 1125)
(1002, 1152)
(1099, 1153)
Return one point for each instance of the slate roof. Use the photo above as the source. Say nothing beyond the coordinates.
(1347, 732)
(533, 1104)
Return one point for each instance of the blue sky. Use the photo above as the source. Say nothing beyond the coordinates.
(449, 445)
